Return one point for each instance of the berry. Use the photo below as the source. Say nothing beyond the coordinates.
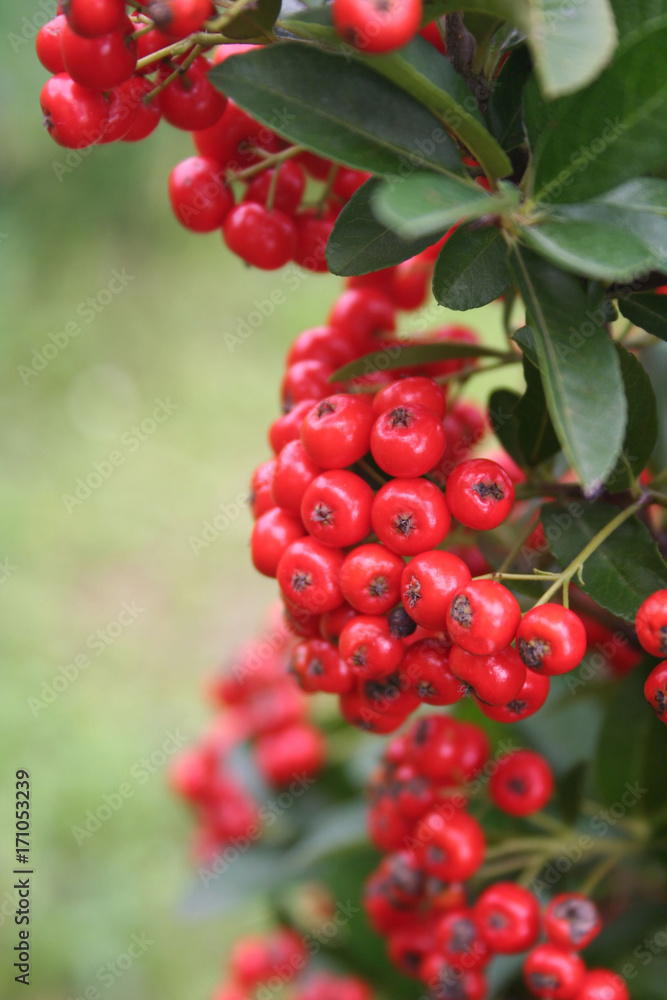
(297, 750)
(100, 63)
(529, 700)
(428, 583)
(306, 380)
(147, 113)
(288, 189)
(451, 849)
(480, 494)
(336, 507)
(312, 232)
(410, 391)
(318, 666)
(508, 917)
(572, 921)
(427, 668)
(308, 575)
(603, 984)
(321, 343)
(198, 194)
(407, 440)
(234, 139)
(655, 690)
(347, 181)
(483, 617)
(374, 26)
(332, 622)
(73, 115)
(447, 981)
(553, 973)
(272, 534)
(362, 711)
(368, 647)
(363, 313)
(92, 18)
(459, 940)
(410, 516)
(294, 472)
(337, 431)
(551, 639)
(121, 110)
(651, 623)
(288, 427)
(262, 238)
(179, 18)
(191, 102)
(522, 783)
(48, 44)
(370, 579)
(260, 498)
(496, 679)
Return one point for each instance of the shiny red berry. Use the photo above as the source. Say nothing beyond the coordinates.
(100, 63)
(603, 984)
(451, 981)
(480, 494)
(572, 920)
(363, 313)
(92, 18)
(368, 647)
(553, 973)
(272, 534)
(287, 189)
(337, 431)
(458, 938)
(294, 472)
(296, 751)
(179, 18)
(450, 848)
(410, 516)
(191, 102)
(522, 783)
(428, 583)
(410, 391)
(308, 575)
(483, 617)
(527, 702)
(427, 668)
(651, 623)
(374, 26)
(260, 498)
(48, 44)
(509, 918)
(318, 666)
(288, 427)
(74, 116)
(407, 440)
(336, 507)
(496, 679)
(370, 578)
(313, 229)
(303, 380)
(322, 343)
(262, 238)
(551, 639)
(655, 690)
(199, 196)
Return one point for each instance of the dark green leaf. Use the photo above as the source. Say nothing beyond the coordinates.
(655, 358)
(537, 438)
(588, 414)
(648, 311)
(394, 356)
(360, 244)
(570, 790)
(430, 203)
(254, 23)
(623, 570)
(471, 269)
(641, 432)
(524, 338)
(630, 759)
(638, 18)
(505, 112)
(338, 108)
(502, 414)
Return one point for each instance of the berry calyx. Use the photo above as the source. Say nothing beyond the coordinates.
(551, 639)
(483, 617)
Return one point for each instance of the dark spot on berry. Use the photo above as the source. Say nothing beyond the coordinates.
(581, 916)
(498, 920)
(463, 935)
(485, 489)
(324, 408)
(404, 524)
(412, 593)
(401, 624)
(660, 702)
(425, 690)
(359, 656)
(543, 981)
(517, 785)
(421, 733)
(517, 707)
(378, 586)
(400, 417)
(322, 514)
(316, 667)
(533, 651)
(300, 581)
(663, 640)
(460, 610)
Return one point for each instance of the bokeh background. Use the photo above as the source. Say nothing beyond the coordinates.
(68, 222)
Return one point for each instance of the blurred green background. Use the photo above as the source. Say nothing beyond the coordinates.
(68, 222)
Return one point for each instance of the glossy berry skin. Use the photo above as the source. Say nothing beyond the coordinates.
(407, 440)
(306, 380)
(333, 622)
(308, 576)
(179, 18)
(447, 980)
(321, 343)
(336, 507)
(551, 639)
(459, 940)
(483, 617)
(48, 44)
(496, 679)
(288, 427)
(651, 623)
(121, 110)
(318, 666)
(480, 494)
(313, 229)
(288, 189)
(147, 114)
(264, 239)
(449, 752)
(272, 534)
(198, 194)
(293, 474)
(522, 783)
(426, 665)
(508, 917)
(100, 63)
(527, 702)
(260, 498)
(363, 313)
(234, 138)
(370, 578)
(373, 26)
(73, 115)
(367, 646)
(450, 849)
(410, 391)
(428, 583)
(337, 431)
(603, 984)
(572, 921)
(92, 18)
(655, 690)
(296, 750)
(191, 102)
(361, 711)
(552, 973)
(410, 516)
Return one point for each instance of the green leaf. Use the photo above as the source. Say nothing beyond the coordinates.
(638, 18)
(631, 752)
(641, 432)
(610, 132)
(254, 22)
(588, 413)
(505, 111)
(524, 338)
(502, 414)
(570, 790)
(647, 311)
(537, 438)
(359, 243)
(337, 108)
(623, 571)
(471, 269)
(426, 203)
(395, 356)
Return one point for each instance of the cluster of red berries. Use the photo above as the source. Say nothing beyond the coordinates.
(277, 962)
(417, 899)
(651, 626)
(261, 706)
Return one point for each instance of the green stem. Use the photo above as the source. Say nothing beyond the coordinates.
(537, 577)
(179, 71)
(601, 869)
(275, 159)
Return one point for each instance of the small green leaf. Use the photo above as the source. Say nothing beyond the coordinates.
(524, 338)
(471, 269)
(623, 570)
(395, 356)
(502, 414)
(642, 430)
(426, 203)
(254, 22)
(588, 414)
(536, 436)
(647, 311)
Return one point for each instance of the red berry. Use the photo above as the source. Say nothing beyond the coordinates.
(250, 961)
(553, 973)
(459, 940)
(407, 440)
(306, 380)
(260, 498)
(370, 579)
(190, 774)
(333, 622)
(651, 623)
(362, 711)
(496, 679)
(318, 666)
(347, 181)
(369, 648)
(428, 584)
(480, 494)
(551, 639)
(121, 110)
(572, 920)
(447, 981)
(409, 391)
(288, 427)
(655, 690)
(234, 139)
(522, 783)
(363, 313)
(294, 472)
(273, 532)
(92, 18)
(483, 617)
(427, 667)
(73, 115)
(308, 575)
(529, 700)
(262, 238)
(374, 26)
(451, 848)
(191, 102)
(410, 516)
(337, 431)
(321, 343)
(312, 232)
(199, 195)
(290, 753)
(288, 189)
(603, 984)
(508, 917)
(148, 113)
(407, 947)
(48, 44)
(100, 63)
(336, 507)
(410, 284)
(179, 18)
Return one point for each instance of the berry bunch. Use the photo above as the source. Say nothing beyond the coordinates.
(651, 626)
(416, 899)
